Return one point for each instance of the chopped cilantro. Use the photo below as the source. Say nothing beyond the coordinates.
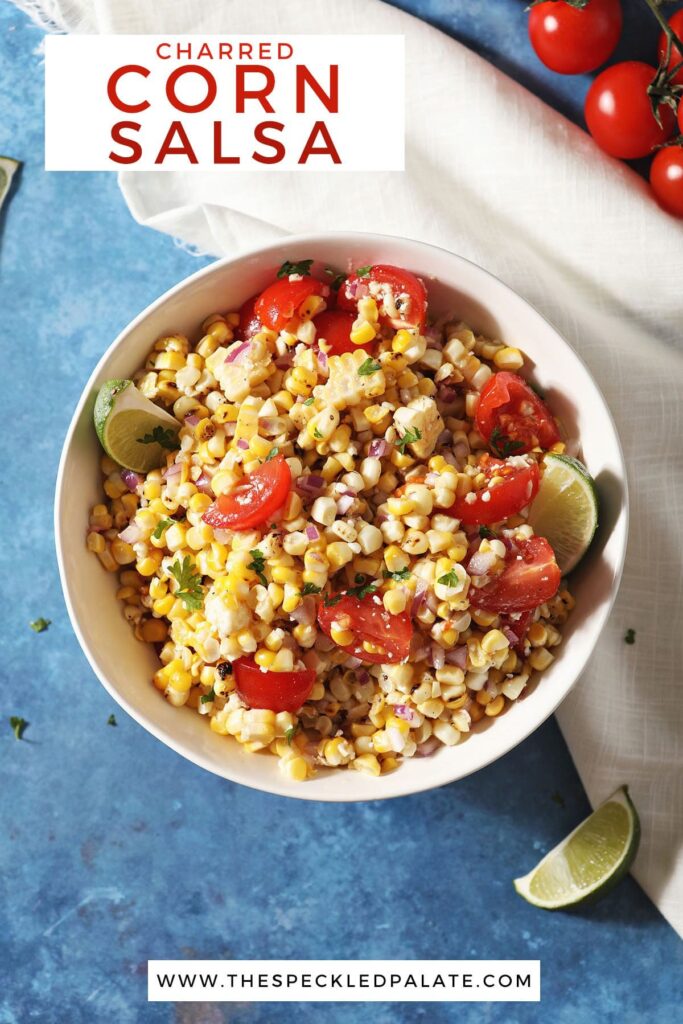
(190, 590)
(502, 445)
(450, 579)
(271, 454)
(224, 669)
(331, 601)
(367, 367)
(362, 588)
(309, 401)
(291, 733)
(258, 564)
(309, 588)
(411, 435)
(112, 720)
(397, 574)
(207, 698)
(364, 271)
(317, 434)
(630, 636)
(162, 525)
(40, 625)
(167, 438)
(486, 534)
(337, 279)
(302, 267)
(18, 726)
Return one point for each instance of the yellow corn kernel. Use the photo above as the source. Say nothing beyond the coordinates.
(538, 635)
(126, 593)
(292, 598)
(377, 414)
(294, 768)
(225, 413)
(338, 554)
(122, 552)
(381, 743)
(154, 631)
(508, 358)
(284, 574)
(366, 763)
(259, 446)
(199, 502)
(148, 566)
(494, 641)
(395, 559)
(495, 706)
(402, 341)
(162, 606)
(400, 506)
(362, 332)
(96, 543)
(264, 658)
(395, 601)
(342, 637)
(540, 659)
(175, 536)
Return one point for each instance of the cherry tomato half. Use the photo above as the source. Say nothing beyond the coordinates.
(371, 623)
(254, 500)
(511, 417)
(249, 322)
(676, 23)
(516, 623)
(619, 115)
(335, 327)
(573, 40)
(493, 504)
(277, 691)
(276, 306)
(530, 577)
(666, 178)
(408, 293)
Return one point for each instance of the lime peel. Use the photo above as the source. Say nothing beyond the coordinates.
(125, 420)
(565, 510)
(8, 168)
(590, 861)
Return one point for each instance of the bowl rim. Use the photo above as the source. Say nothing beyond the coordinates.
(303, 792)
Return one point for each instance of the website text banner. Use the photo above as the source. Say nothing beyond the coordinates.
(344, 981)
(257, 103)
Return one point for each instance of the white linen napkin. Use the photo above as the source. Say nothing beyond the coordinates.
(495, 175)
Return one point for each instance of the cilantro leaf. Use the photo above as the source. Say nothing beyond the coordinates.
(364, 271)
(316, 434)
(367, 367)
(397, 574)
(309, 401)
(630, 636)
(486, 534)
(302, 267)
(502, 445)
(309, 588)
(18, 726)
(207, 698)
(167, 438)
(271, 454)
(331, 600)
(162, 525)
(258, 564)
(112, 720)
(40, 625)
(411, 435)
(450, 579)
(337, 279)
(291, 733)
(190, 589)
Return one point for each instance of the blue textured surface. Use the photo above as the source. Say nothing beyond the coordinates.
(113, 849)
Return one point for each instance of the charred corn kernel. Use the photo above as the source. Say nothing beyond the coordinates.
(123, 552)
(494, 641)
(508, 358)
(366, 763)
(341, 636)
(540, 659)
(114, 486)
(415, 542)
(95, 542)
(394, 601)
(101, 517)
(402, 341)
(395, 559)
(264, 659)
(127, 594)
(148, 566)
(294, 768)
(495, 706)
(362, 332)
(322, 426)
(154, 631)
(537, 635)
(226, 413)
(338, 554)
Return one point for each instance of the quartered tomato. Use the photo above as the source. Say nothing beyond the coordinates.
(408, 293)
(254, 500)
(335, 327)
(371, 623)
(511, 417)
(520, 479)
(530, 577)
(249, 322)
(276, 306)
(277, 691)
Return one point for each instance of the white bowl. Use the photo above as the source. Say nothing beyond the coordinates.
(125, 666)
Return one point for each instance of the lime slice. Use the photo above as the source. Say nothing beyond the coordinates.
(133, 431)
(8, 168)
(565, 510)
(593, 858)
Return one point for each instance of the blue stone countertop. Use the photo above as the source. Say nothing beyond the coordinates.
(113, 849)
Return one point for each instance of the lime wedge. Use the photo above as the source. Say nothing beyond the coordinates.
(133, 431)
(8, 168)
(593, 858)
(565, 510)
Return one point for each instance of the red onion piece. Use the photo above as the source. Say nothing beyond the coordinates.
(428, 747)
(344, 504)
(438, 656)
(172, 470)
(481, 562)
(192, 420)
(322, 360)
(237, 354)
(363, 676)
(243, 444)
(418, 599)
(203, 483)
(310, 483)
(407, 714)
(132, 534)
(379, 448)
(305, 612)
(353, 662)
(312, 533)
(284, 361)
(510, 635)
(458, 656)
(131, 479)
